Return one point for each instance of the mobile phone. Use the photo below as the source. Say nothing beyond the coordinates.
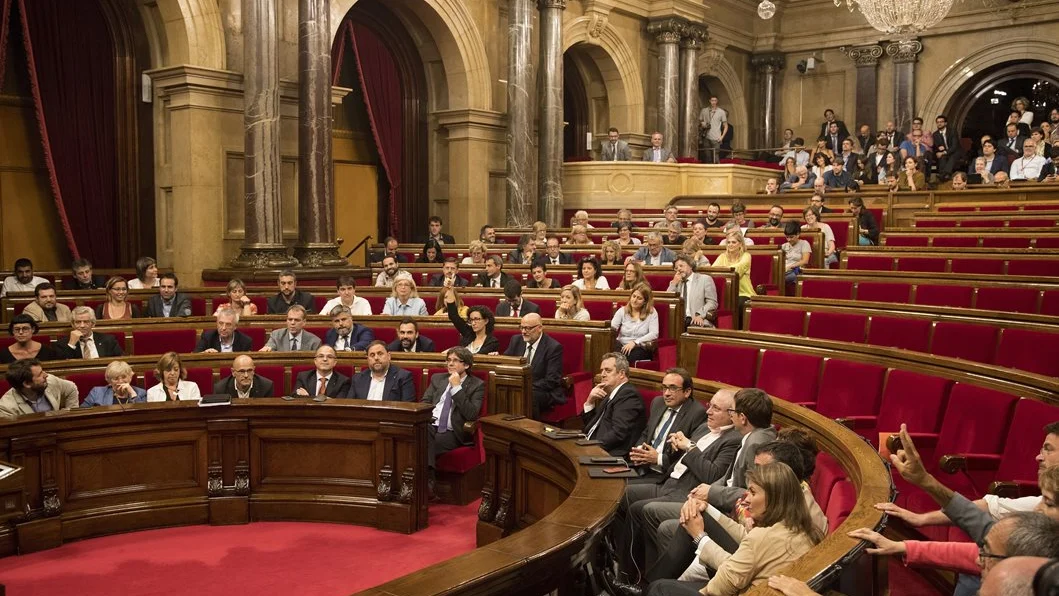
(513, 417)
(616, 469)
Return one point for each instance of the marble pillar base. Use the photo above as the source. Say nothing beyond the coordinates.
(323, 254)
(263, 257)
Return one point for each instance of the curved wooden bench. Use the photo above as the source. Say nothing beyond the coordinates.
(1029, 262)
(994, 238)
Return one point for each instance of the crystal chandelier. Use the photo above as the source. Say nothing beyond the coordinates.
(901, 18)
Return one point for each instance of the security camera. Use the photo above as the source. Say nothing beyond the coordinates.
(802, 66)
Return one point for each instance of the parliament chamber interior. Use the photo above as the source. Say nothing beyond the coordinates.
(574, 297)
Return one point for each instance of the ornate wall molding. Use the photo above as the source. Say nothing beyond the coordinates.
(904, 51)
(863, 55)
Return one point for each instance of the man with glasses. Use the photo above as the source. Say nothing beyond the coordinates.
(614, 409)
(83, 343)
(653, 253)
(244, 382)
(917, 148)
(457, 399)
(323, 381)
(552, 253)
(675, 413)
(545, 358)
(1029, 166)
(513, 304)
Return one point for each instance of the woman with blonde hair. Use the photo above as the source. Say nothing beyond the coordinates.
(610, 253)
(117, 305)
(119, 388)
(441, 307)
(696, 250)
(172, 381)
(237, 299)
(633, 276)
(477, 251)
(636, 325)
(404, 300)
(737, 257)
(1021, 105)
(579, 235)
(540, 232)
(570, 305)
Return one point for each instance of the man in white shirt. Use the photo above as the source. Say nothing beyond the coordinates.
(381, 381)
(1027, 167)
(713, 121)
(798, 152)
(293, 337)
(23, 280)
(390, 272)
(347, 297)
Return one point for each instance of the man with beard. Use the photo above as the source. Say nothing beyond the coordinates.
(409, 340)
(713, 219)
(775, 221)
(288, 295)
(381, 381)
(345, 335)
(390, 272)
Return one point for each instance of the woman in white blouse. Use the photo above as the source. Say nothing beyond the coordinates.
(812, 222)
(477, 256)
(173, 386)
(347, 297)
(637, 324)
(146, 274)
(570, 305)
(588, 270)
(404, 300)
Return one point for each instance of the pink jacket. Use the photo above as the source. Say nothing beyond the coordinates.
(956, 556)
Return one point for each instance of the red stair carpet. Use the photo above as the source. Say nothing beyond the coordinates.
(259, 558)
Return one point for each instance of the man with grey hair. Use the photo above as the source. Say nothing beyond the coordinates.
(227, 337)
(614, 410)
(288, 295)
(581, 219)
(698, 291)
(83, 343)
(653, 252)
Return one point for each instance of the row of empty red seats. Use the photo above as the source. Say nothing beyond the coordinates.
(1000, 262)
(990, 239)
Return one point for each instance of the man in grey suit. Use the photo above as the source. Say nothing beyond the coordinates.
(698, 291)
(457, 399)
(293, 337)
(656, 152)
(614, 149)
(653, 253)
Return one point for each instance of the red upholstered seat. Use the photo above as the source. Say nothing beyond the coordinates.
(388, 334)
(319, 331)
(198, 307)
(949, 242)
(4, 387)
(1006, 242)
(8, 340)
(160, 342)
(734, 365)
(938, 295)
(261, 302)
(473, 300)
(870, 263)
(909, 241)
(837, 326)
(884, 292)
(85, 382)
(837, 289)
(1007, 299)
(928, 264)
(850, 389)
(1024, 438)
(793, 377)
(443, 337)
(840, 504)
(659, 282)
(761, 270)
(562, 278)
(981, 266)
(775, 320)
(912, 398)
(577, 373)
(504, 337)
(376, 303)
(1050, 303)
(1034, 267)
(1029, 350)
(1047, 242)
(828, 473)
(257, 336)
(894, 332)
(964, 340)
(599, 309)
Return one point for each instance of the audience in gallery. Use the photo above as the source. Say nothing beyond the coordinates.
(146, 274)
(117, 305)
(33, 390)
(119, 388)
(172, 381)
(614, 149)
(289, 294)
(45, 305)
(23, 280)
(347, 297)
(381, 380)
(589, 275)
(23, 327)
(404, 300)
(237, 299)
(570, 305)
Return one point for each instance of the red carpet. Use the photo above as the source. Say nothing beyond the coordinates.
(259, 558)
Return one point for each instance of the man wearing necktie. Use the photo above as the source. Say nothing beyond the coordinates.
(83, 343)
(614, 409)
(614, 149)
(656, 152)
(457, 399)
(345, 335)
(323, 380)
(674, 412)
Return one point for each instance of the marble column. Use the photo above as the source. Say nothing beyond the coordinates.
(550, 126)
(316, 207)
(667, 34)
(866, 58)
(905, 54)
(689, 88)
(263, 241)
(767, 66)
(520, 79)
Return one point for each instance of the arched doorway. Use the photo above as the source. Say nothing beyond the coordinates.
(576, 118)
(982, 104)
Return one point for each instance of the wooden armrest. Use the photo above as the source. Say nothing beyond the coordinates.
(1014, 489)
(893, 442)
(857, 422)
(968, 461)
(470, 427)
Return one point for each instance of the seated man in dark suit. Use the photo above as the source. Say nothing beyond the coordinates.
(227, 337)
(457, 399)
(409, 340)
(288, 295)
(83, 343)
(345, 335)
(553, 254)
(448, 276)
(243, 382)
(323, 380)
(168, 302)
(381, 381)
(545, 357)
(494, 276)
(614, 412)
(83, 278)
(674, 412)
(514, 305)
(390, 245)
(434, 226)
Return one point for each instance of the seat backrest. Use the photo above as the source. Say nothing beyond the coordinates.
(574, 351)
(884, 291)
(85, 382)
(1007, 299)
(944, 295)
(257, 336)
(896, 332)
(786, 321)
(968, 341)
(789, 376)
(160, 342)
(928, 264)
(838, 289)
(840, 503)
(734, 365)
(827, 474)
(914, 399)
(850, 389)
(838, 326)
(1024, 349)
(870, 262)
(1024, 440)
(978, 265)
(976, 420)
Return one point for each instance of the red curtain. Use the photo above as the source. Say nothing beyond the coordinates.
(71, 70)
(382, 96)
(5, 11)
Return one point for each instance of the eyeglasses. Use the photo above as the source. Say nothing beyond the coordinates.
(732, 411)
(528, 328)
(984, 554)
(22, 329)
(474, 319)
(671, 388)
(244, 371)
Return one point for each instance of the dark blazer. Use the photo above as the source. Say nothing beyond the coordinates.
(1002, 145)
(1049, 169)
(446, 239)
(98, 283)
(483, 279)
(721, 495)
(337, 385)
(491, 343)
(621, 420)
(866, 143)
(398, 386)
(181, 306)
(843, 132)
(261, 387)
(210, 339)
(106, 346)
(564, 259)
(278, 306)
(423, 344)
(466, 403)
(378, 256)
(547, 371)
(895, 138)
(704, 467)
(360, 335)
(691, 415)
(503, 309)
(867, 221)
(1000, 162)
(950, 140)
(438, 279)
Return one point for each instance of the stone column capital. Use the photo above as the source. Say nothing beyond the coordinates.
(863, 56)
(668, 30)
(904, 51)
(694, 36)
(560, 4)
(770, 62)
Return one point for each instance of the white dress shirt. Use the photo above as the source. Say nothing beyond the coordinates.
(702, 444)
(376, 387)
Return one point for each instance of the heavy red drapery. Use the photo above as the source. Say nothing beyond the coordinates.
(381, 88)
(72, 79)
(5, 11)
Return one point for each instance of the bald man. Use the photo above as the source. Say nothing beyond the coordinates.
(1012, 576)
(545, 357)
(243, 382)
